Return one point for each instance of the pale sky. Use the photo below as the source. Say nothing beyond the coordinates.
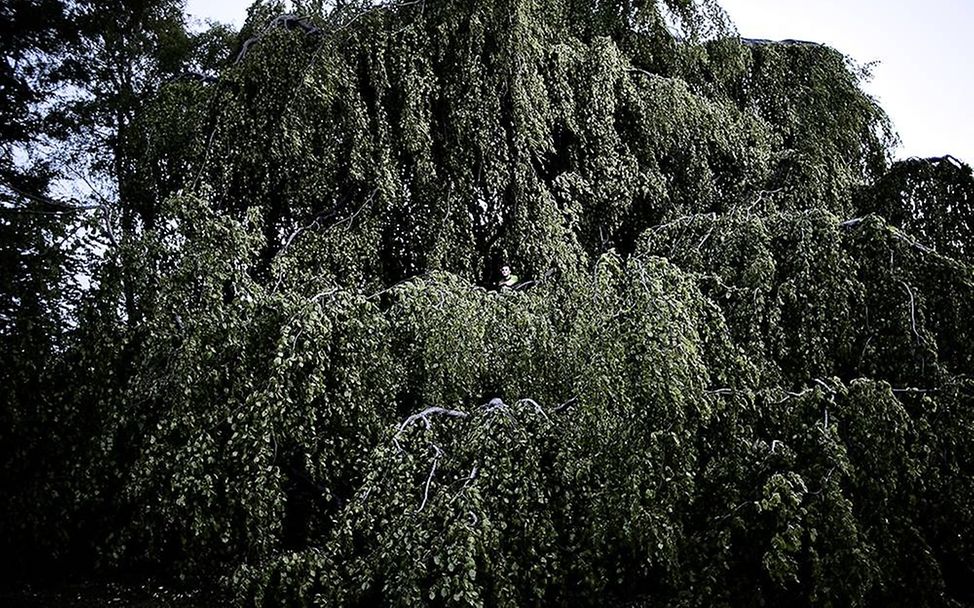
(924, 50)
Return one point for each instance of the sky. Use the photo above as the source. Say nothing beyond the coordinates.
(924, 77)
(922, 51)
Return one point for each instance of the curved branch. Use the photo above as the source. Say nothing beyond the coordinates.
(535, 405)
(287, 21)
(913, 309)
(565, 405)
(425, 414)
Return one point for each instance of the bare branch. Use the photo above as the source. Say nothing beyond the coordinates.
(62, 206)
(429, 480)
(913, 310)
(684, 218)
(822, 383)
(206, 153)
(767, 42)
(352, 217)
(760, 197)
(493, 405)
(25, 211)
(791, 395)
(425, 414)
(295, 234)
(466, 482)
(287, 21)
(534, 404)
(105, 207)
(706, 236)
(644, 73)
(899, 234)
(565, 405)
(59, 206)
(825, 481)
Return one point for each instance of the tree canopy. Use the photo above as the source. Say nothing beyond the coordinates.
(740, 374)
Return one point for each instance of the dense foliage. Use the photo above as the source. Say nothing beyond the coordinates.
(740, 373)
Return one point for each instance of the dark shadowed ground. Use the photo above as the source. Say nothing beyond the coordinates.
(92, 595)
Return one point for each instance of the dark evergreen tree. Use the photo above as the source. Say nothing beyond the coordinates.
(75, 75)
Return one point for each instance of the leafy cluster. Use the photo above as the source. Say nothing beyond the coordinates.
(741, 374)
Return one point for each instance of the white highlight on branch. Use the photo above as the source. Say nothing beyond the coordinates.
(534, 404)
(913, 309)
(424, 416)
(429, 480)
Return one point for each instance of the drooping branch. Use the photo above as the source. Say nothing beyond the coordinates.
(289, 22)
(438, 453)
(430, 411)
(534, 404)
(565, 405)
(794, 395)
(424, 416)
(913, 310)
(824, 385)
(292, 22)
(350, 219)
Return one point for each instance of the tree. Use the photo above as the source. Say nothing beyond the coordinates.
(76, 75)
(733, 381)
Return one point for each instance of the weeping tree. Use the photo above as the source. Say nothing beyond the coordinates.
(740, 373)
